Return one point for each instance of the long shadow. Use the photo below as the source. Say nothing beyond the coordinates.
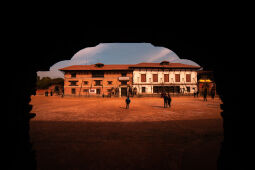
(158, 106)
(127, 145)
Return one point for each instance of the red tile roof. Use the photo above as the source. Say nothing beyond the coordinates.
(128, 66)
(158, 65)
(93, 67)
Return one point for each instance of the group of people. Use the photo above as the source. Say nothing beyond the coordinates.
(167, 100)
(51, 93)
(47, 93)
(205, 94)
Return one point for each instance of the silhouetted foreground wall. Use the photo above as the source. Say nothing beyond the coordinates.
(20, 151)
(50, 48)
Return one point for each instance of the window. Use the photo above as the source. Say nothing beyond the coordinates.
(123, 82)
(73, 91)
(166, 77)
(143, 77)
(85, 82)
(73, 75)
(123, 74)
(155, 77)
(98, 82)
(143, 89)
(188, 77)
(86, 90)
(97, 73)
(73, 83)
(109, 82)
(177, 78)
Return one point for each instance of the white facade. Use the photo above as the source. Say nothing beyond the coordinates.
(183, 85)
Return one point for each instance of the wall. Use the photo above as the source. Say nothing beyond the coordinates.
(87, 76)
(149, 79)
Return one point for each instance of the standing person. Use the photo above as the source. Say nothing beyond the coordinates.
(165, 100)
(127, 102)
(197, 92)
(169, 99)
(62, 94)
(205, 94)
(213, 93)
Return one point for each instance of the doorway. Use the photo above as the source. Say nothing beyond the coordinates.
(123, 91)
(98, 91)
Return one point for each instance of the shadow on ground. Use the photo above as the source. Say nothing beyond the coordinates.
(184, 144)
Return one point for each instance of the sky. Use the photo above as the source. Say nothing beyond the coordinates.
(116, 53)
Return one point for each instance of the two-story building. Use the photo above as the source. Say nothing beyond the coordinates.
(151, 78)
(97, 80)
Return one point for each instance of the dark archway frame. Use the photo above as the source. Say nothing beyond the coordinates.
(41, 49)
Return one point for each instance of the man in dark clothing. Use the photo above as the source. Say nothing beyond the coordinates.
(213, 93)
(197, 93)
(169, 99)
(165, 100)
(127, 102)
(205, 95)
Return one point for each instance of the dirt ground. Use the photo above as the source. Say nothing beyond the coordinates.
(100, 133)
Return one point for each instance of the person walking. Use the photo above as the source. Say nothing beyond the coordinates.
(127, 102)
(169, 99)
(205, 94)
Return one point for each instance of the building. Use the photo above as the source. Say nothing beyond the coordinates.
(206, 81)
(97, 80)
(123, 80)
(152, 78)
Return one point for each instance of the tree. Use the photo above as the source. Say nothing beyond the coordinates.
(46, 82)
(43, 83)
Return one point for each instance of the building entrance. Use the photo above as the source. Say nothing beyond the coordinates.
(123, 91)
(98, 91)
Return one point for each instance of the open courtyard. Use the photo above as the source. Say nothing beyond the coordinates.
(100, 133)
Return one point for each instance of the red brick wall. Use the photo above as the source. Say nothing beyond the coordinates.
(87, 76)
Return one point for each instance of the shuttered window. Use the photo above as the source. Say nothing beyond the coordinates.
(155, 77)
(143, 77)
(177, 78)
(188, 77)
(166, 77)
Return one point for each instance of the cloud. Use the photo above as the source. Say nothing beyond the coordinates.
(116, 53)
